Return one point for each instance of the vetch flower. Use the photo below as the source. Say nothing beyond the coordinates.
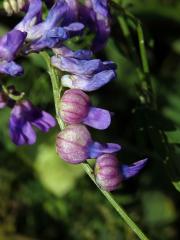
(48, 33)
(95, 15)
(74, 145)
(23, 117)
(32, 17)
(10, 45)
(75, 107)
(87, 75)
(110, 173)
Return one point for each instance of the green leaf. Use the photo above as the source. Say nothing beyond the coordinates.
(173, 136)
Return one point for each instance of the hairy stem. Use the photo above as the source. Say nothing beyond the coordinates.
(87, 168)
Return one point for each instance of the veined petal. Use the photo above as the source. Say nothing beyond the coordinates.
(98, 118)
(21, 132)
(72, 12)
(56, 14)
(75, 66)
(32, 17)
(45, 122)
(10, 44)
(88, 84)
(97, 149)
(133, 169)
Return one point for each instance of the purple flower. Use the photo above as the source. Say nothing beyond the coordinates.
(74, 145)
(133, 169)
(75, 108)
(48, 34)
(87, 75)
(10, 45)
(32, 17)
(23, 117)
(107, 172)
(72, 12)
(110, 173)
(95, 14)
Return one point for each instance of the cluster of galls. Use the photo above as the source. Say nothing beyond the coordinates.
(74, 144)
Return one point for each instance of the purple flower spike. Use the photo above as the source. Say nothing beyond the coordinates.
(107, 172)
(23, 116)
(75, 108)
(72, 143)
(97, 149)
(75, 145)
(132, 170)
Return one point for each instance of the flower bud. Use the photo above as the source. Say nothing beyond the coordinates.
(107, 172)
(74, 106)
(73, 142)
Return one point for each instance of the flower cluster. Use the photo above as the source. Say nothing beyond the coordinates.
(74, 144)
(83, 73)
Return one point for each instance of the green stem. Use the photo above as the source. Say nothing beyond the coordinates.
(89, 171)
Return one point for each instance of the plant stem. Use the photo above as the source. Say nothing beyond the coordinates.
(87, 168)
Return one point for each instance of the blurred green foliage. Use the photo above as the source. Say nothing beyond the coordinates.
(41, 197)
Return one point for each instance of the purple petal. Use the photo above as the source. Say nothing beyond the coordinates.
(100, 8)
(45, 122)
(68, 53)
(57, 32)
(88, 83)
(97, 149)
(32, 17)
(132, 170)
(10, 44)
(53, 19)
(50, 40)
(56, 13)
(83, 54)
(11, 68)
(22, 116)
(21, 132)
(71, 13)
(95, 15)
(75, 66)
(98, 118)
(74, 29)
